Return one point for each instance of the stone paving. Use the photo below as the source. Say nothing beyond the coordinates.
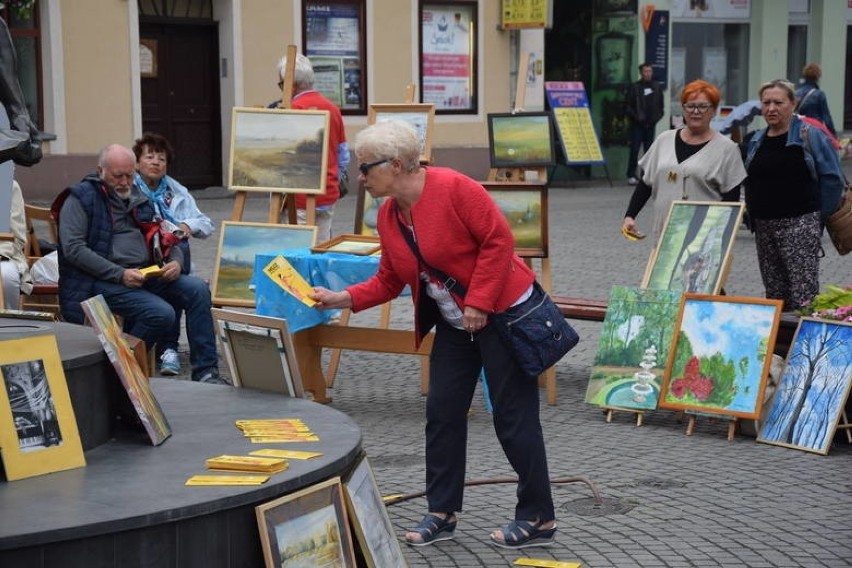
(669, 500)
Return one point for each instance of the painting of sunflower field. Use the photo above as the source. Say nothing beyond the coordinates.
(633, 348)
(720, 355)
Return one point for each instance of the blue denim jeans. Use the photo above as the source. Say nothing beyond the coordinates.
(149, 314)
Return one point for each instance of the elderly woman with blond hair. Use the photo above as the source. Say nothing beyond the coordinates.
(694, 162)
(443, 235)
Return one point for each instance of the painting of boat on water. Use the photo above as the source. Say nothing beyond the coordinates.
(633, 348)
(279, 150)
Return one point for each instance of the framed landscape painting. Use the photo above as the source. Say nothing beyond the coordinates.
(421, 117)
(38, 430)
(307, 528)
(633, 348)
(278, 150)
(720, 355)
(523, 139)
(694, 250)
(135, 382)
(239, 242)
(259, 352)
(369, 518)
(525, 207)
(813, 389)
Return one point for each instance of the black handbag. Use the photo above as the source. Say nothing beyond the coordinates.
(536, 331)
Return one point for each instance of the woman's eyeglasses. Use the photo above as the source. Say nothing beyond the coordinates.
(697, 107)
(365, 168)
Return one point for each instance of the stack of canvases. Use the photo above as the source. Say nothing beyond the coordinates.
(674, 343)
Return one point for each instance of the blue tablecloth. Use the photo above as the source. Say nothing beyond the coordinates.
(334, 271)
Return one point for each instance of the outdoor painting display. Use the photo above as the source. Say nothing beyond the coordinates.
(132, 378)
(259, 352)
(277, 150)
(38, 431)
(239, 242)
(719, 359)
(525, 207)
(307, 528)
(813, 389)
(520, 140)
(694, 250)
(633, 348)
(369, 517)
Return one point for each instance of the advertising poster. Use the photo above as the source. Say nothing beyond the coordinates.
(447, 63)
(333, 46)
(570, 106)
(656, 24)
(524, 14)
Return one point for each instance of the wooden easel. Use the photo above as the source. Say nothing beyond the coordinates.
(277, 201)
(548, 378)
(732, 425)
(384, 316)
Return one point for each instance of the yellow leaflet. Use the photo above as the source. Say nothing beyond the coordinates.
(281, 439)
(289, 454)
(393, 497)
(546, 563)
(227, 480)
(282, 273)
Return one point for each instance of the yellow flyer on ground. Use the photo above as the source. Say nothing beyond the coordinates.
(283, 274)
(546, 563)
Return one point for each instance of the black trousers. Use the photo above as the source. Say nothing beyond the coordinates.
(455, 363)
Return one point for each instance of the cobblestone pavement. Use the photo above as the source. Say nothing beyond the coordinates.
(669, 500)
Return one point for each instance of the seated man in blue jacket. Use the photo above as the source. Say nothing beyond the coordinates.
(105, 228)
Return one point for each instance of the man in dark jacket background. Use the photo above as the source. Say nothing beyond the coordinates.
(644, 107)
(103, 222)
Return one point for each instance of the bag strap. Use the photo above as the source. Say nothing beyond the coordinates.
(803, 99)
(450, 283)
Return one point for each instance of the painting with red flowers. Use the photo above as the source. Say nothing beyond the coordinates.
(720, 355)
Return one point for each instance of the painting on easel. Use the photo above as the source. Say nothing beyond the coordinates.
(420, 117)
(277, 150)
(815, 385)
(633, 348)
(525, 207)
(521, 140)
(720, 355)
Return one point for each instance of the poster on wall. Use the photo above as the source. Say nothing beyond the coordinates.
(720, 9)
(332, 43)
(447, 41)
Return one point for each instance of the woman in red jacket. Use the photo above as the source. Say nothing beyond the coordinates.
(443, 235)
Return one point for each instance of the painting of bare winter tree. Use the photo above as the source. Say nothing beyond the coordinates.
(813, 389)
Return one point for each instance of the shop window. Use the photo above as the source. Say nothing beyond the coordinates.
(797, 51)
(448, 56)
(335, 41)
(25, 31)
(717, 53)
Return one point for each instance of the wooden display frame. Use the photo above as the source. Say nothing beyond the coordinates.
(268, 145)
(421, 117)
(524, 204)
(297, 522)
(231, 281)
(259, 352)
(40, 396)
(361, 245)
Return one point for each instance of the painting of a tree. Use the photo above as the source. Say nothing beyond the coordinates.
(813, 389)
(633, 348)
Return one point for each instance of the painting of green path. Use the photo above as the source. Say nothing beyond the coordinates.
(633, 348)
(519, 140)
(694, 247)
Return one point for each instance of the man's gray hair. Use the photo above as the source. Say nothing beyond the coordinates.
(109, 151)
(303, 74)
(388, 140)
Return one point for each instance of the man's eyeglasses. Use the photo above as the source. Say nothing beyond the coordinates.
(697, 107)
(365, 168)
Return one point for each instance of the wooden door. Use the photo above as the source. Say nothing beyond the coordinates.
(180, 97)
